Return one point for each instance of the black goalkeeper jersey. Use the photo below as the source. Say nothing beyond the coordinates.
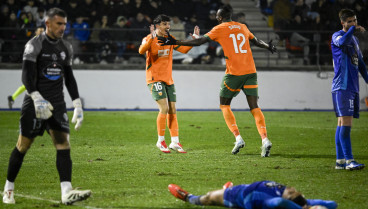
(52, 58)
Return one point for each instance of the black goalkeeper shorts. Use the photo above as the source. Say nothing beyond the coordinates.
(30, 126)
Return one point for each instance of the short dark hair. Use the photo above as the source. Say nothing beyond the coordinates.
(55, 11)
(226, 12)
(346, 13)
(161, 18)
(300, 200)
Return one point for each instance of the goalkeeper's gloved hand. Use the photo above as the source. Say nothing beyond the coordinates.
(43, 107)
(78, 114)
(272, 48)
(166, 41)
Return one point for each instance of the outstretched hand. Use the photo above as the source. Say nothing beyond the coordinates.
(153, 32)
(272, 48)
(196, 32)
(166, 41)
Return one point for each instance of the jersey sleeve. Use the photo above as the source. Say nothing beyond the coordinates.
(339, 40)
(327, 203)
(70, 53)
(146, 44)
(32, 49)
(213, 34)
(279, 202)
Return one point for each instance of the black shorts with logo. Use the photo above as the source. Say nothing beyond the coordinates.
(30, 126)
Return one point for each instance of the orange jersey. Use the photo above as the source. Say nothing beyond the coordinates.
(234, 38)
(159, 59)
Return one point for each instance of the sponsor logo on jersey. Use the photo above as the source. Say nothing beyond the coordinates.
(46, 55)
(52, 72)
(354, 59)
(63, 55)
(163, 53)
(234, 26)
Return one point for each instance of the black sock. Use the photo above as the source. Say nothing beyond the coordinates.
(64, 165)
(15, 162)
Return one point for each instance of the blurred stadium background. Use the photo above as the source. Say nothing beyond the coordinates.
(106, 35)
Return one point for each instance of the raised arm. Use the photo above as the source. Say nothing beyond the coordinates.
(172, 41)
(272, 48)
(146, 42)
(343, 40)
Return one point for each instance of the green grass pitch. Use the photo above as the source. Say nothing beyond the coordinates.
(114, 155)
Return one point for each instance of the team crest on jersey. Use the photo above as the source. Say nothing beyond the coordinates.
(54, 57)
(160, 93)
(29, 49)
(63, 55)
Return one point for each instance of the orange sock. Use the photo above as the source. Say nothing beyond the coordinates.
(230, 119)
(172, 123)
(260, 122)
(161, 124)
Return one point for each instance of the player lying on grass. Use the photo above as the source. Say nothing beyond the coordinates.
(261, 194)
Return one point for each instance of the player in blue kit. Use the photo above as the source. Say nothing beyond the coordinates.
(347, 60)
(261, 194)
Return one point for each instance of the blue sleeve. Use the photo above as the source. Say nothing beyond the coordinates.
(345, 38)
(363, 69)
(327, 203)
(279, 202)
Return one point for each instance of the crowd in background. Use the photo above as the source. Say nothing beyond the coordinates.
(303, 22)
(109, 31)
(103, 31)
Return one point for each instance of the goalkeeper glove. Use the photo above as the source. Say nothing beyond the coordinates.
(272, 48)
(78, 114)
(43, 107)
(166, 41)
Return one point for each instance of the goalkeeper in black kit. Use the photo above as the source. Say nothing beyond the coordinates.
(47, 62)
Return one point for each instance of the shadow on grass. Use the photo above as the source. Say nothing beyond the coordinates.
(358, 157)
(140, 207)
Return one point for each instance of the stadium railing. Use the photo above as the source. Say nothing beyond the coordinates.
(111, 50)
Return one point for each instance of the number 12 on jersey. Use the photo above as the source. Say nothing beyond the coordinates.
(239, 37)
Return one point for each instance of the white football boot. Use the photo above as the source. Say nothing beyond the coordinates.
(8, 197)
(238, 145)
(266, 147)
(75, 195)
(162, 146)
(177, 147)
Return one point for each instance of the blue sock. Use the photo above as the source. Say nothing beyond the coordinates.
(327, 203)
(346, 142)
(194, 200)
(339, 152)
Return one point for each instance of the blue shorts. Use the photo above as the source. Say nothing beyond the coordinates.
(233, 197)
(346, 103)
(237, 197)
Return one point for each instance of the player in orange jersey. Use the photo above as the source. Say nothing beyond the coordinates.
(240, 72)
(159, 80)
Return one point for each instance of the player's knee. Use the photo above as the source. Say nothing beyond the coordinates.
(23, 146)
(206, 199)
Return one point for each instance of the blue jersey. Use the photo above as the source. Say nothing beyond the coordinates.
(346, 56)
(252, 195)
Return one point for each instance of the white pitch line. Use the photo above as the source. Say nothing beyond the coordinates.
(37, 198)
(52, 201)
